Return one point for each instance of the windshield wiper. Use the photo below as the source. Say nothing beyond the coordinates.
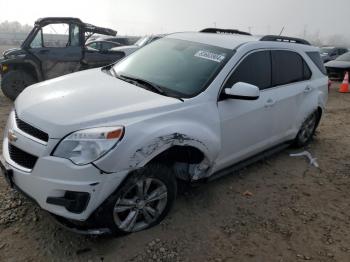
(143, 82)
(134, 80)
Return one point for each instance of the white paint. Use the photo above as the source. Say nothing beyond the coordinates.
(226, 131)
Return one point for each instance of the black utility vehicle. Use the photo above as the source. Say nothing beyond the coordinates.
(55, 47)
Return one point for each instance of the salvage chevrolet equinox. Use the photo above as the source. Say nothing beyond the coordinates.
(102, 149)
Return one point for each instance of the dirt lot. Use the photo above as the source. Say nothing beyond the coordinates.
(295, 212)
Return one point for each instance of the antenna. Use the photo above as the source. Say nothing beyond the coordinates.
(282, 30)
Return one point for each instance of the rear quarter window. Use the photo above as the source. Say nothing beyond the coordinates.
(317, 60)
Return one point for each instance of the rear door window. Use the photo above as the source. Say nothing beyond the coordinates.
(288, 67)
(255, 69)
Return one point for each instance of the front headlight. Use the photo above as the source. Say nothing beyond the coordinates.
(85, 146)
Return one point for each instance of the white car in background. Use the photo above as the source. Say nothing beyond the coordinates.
(102, 149)
(143, 41)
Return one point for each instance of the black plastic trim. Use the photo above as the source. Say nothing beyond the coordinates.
(284, 39)
(226, 96)
(244, 163)
(75, 202)
(224, 31)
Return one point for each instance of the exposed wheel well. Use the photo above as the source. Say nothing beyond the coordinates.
(181, 159)
(184, 154)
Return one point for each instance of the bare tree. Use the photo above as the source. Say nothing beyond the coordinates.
(14, 27)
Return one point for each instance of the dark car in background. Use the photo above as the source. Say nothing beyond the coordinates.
(102, 45)
(143, 41)
(329, 53)
(106, 43)
(337, 68)
(54, 47)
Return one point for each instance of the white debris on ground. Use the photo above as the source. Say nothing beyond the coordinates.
(313, 160)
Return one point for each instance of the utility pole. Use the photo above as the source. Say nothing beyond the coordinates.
(305, 31)
(282, 30)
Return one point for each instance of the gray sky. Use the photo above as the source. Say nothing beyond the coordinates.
(163, 16)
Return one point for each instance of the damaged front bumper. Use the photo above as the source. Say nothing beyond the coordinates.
(74, 226)
(80, 228)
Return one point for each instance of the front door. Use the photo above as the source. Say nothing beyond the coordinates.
(246, 125)
(58, 48)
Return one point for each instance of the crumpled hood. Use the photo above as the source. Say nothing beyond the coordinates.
(338, 64)
(86, 99)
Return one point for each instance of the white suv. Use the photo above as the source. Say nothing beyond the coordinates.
(102, 150)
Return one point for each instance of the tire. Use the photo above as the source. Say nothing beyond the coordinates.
(129, 204)
(307, 130)
(14, 82)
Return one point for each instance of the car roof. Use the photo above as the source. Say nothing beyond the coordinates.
(229, 41)
(47, 20)
(333, 47)
(233, 41)
(87, 27)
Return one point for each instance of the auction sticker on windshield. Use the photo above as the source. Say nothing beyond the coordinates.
(210, 56)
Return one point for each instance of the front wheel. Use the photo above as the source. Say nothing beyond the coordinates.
(14, 82)
(307, 130)
(143, 200)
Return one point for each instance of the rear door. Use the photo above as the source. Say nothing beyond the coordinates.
(246, 125)
(291, 88)
(58, 48)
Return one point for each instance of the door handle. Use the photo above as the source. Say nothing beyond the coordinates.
(270, 102)
(308, 89)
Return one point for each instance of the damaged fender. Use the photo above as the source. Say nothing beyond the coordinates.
(135, 150)
(160, 144)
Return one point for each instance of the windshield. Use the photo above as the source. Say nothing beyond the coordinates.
(142, 41)
(344, 57)
(326, 50)
(181, 67)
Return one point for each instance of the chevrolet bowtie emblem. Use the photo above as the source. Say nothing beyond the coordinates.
(12, 136)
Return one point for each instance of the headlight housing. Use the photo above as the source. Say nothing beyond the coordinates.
(85, 146)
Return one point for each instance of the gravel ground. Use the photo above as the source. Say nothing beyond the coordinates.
(281, 209)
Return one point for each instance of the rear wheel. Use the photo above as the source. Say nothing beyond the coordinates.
(14, 82)
(307, 130)
(142, 202)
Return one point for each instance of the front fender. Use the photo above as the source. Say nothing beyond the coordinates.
(20, 63)
(146, 140)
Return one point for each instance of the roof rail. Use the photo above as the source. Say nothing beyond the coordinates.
(223, 31)
(285, 39)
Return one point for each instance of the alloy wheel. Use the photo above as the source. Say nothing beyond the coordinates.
(141, 205)
(307, 128)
